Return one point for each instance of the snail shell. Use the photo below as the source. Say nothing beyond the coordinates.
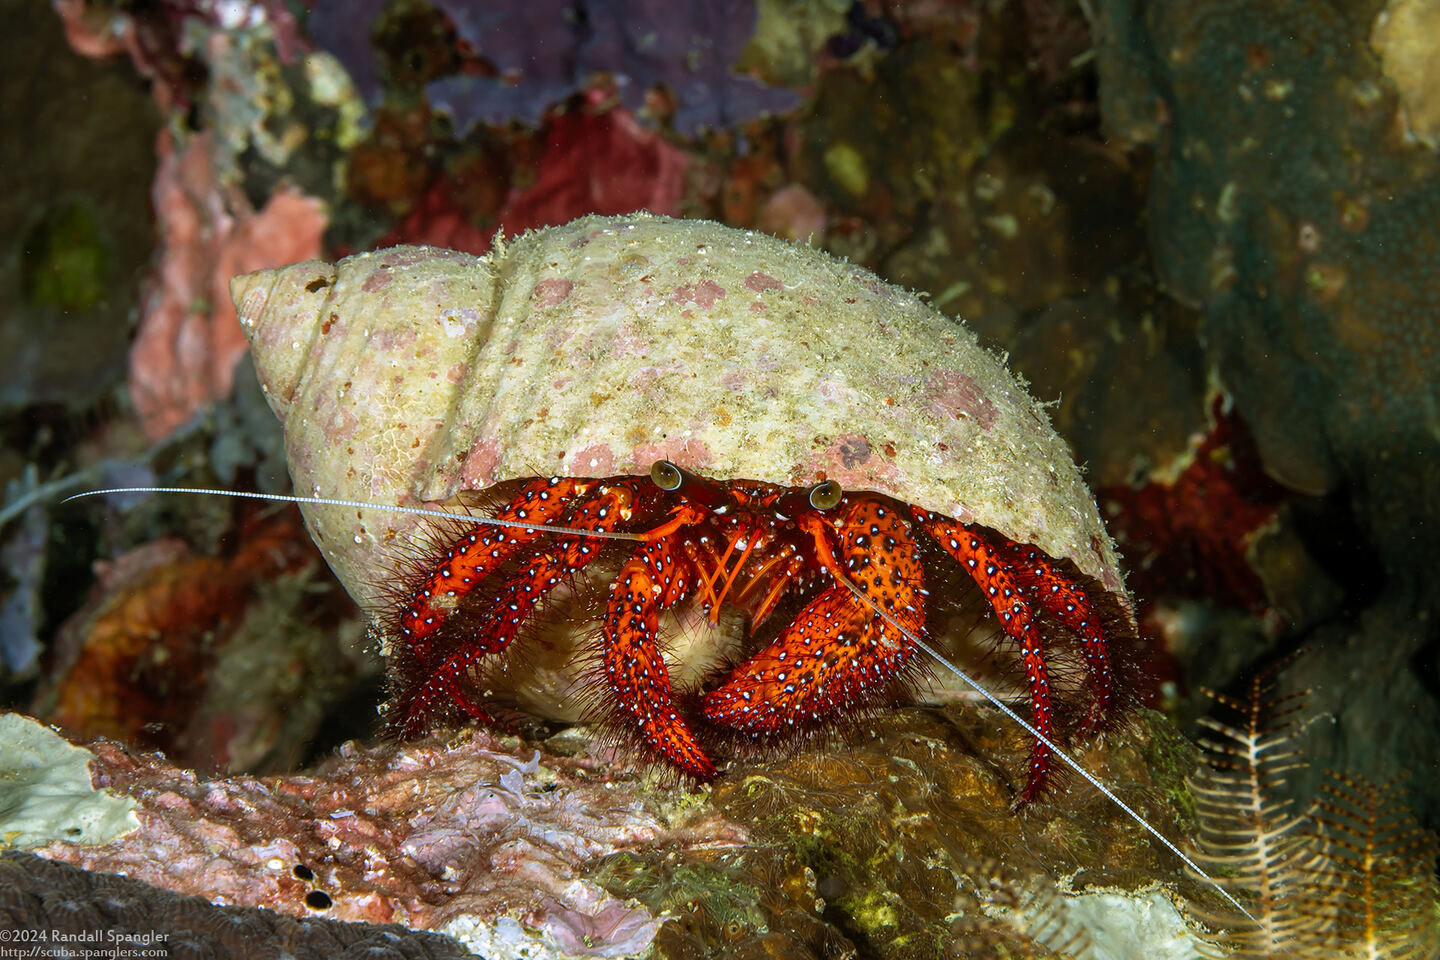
(595, 348)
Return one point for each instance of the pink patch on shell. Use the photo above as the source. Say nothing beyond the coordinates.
(852, 461)
(387, 340)
(682, 451)
(596, 460)
(378, 280)
(760, 282)
(702, 294)
(628, 341)
(957, 395)
(481, 463)
(580, 241)
(552, 291)
(733, 381)
(457, 372)
(341, 424)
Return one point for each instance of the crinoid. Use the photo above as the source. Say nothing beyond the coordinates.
(1032, 906)
(1380, 871)
(1353, 876)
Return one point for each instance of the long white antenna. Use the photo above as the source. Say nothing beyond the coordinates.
(387, 507)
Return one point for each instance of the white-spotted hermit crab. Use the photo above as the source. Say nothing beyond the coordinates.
(799, 468)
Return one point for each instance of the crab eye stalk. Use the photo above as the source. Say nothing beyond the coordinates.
(826, 496)
(666, 475)
(690, 486)
(816, 498)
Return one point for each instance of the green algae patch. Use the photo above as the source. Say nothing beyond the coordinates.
(874, 913)
(696, 892)
(46, 794)
(742, 901)
(67, 262)
(1172, 760)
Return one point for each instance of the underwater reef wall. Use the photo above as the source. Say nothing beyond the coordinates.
(1293, 202)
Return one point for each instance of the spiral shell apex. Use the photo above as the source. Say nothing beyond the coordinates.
(595, 348)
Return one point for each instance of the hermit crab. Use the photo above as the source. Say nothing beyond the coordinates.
(721, 481)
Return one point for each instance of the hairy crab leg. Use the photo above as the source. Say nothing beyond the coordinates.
(650, 581)
(609, 505)
(988, 568)
(836, 651)
(479, 553)
(1090, 778)
(1065, 601)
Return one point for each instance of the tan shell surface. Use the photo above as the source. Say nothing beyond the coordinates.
(597, 347)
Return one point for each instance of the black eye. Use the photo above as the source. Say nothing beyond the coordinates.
(665, 475)
(826, 496)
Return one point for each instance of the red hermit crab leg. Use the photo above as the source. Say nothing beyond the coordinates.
(1090, 778)
(610, 504)
(1060, 596)
(651, 580)
(990, 571)
(477, 555)
(836, 651)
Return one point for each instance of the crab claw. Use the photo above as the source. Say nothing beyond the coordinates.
(648, 582)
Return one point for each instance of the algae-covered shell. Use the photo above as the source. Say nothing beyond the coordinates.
(595, 348)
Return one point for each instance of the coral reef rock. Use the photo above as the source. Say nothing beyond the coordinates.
(458, 836)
